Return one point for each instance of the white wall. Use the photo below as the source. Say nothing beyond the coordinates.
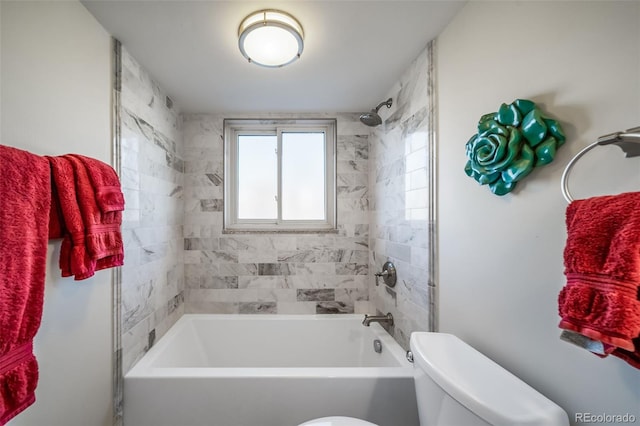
(56, 99)
(501, 264)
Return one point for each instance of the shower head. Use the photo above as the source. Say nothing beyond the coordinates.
(372, 118)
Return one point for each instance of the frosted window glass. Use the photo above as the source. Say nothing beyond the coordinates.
(303, 176)
(257, 177)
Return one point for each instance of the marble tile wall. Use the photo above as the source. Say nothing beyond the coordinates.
(152, 175)
(274, 273)
(401, 223)
(179, 261)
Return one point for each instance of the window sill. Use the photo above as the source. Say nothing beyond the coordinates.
(280, 231)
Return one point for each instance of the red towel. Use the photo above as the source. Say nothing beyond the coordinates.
(602, 266)
(103, 238)
(105, 183)
(25, 199)
(73, 256)
(92, 239)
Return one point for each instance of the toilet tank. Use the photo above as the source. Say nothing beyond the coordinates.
(457, 385)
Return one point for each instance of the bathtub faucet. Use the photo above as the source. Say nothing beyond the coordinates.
(368, 319)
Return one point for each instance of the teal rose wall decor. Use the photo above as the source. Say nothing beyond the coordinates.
(510, 143)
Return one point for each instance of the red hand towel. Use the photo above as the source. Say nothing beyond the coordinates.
(103, 238)
(74, 259)
(92, 240)
(105, 183)
(25, 198)
(602, 266)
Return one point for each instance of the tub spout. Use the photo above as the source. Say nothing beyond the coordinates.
(368, 319)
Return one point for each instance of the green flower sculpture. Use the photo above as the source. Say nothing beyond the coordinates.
(510, 143)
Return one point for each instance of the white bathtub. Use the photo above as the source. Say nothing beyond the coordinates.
(263, 370)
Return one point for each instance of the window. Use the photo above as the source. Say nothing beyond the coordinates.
(280, 175)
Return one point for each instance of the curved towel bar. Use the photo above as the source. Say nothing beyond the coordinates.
(628, 141)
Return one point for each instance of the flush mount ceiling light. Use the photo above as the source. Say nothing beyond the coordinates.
(270, 38)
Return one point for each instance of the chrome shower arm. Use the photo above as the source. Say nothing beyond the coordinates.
(388, 103)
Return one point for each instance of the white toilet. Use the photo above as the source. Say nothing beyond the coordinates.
(457, 385)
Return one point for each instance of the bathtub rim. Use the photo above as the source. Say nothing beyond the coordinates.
(144, 367)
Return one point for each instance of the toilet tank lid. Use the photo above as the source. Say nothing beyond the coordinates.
(481, 385)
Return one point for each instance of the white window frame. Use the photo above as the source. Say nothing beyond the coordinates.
(236, 127)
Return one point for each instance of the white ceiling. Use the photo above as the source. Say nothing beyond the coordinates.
(354, 50)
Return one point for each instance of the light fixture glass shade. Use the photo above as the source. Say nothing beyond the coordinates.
(270, 38)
